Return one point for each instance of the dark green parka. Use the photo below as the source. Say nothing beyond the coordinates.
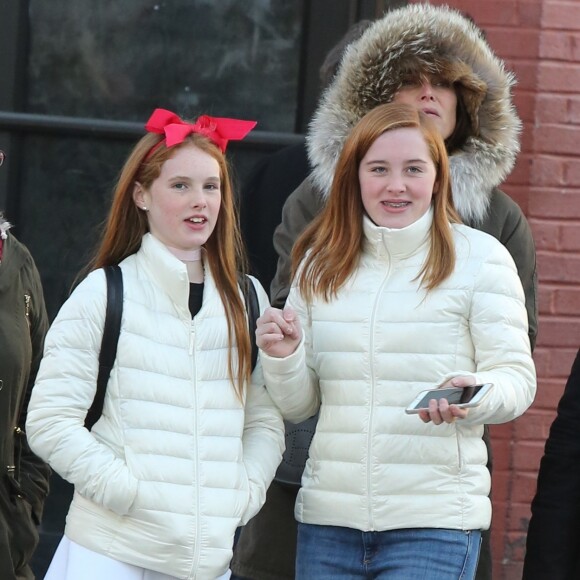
(24, 483)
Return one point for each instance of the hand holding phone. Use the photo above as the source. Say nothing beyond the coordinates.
(462, 397)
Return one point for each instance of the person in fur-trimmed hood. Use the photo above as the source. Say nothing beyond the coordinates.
(412, 54)
(396, 54)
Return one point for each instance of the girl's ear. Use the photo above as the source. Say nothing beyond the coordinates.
(436, 188)
(139, 196)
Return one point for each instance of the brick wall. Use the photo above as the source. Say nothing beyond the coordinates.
(540, 42)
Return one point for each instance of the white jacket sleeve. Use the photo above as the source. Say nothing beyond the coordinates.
(292, 381)
(499, 331)
(263, 439)
(64, 391)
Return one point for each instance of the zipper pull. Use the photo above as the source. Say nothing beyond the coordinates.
(191, 339)
(27, 308)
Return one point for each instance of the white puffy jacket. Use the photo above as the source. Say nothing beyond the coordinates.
(175, 463)
(366, 355)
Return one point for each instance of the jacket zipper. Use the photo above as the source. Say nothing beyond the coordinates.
(13, 470)
(191, 338)
(197, 553)
(372, 393)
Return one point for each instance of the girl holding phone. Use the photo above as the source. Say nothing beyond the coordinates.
(392, 296)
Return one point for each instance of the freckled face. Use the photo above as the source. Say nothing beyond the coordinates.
(183, 203)
(397, 177)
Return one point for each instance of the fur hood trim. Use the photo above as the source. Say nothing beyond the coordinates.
(419, 39)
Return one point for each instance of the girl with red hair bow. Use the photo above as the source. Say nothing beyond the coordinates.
(189, 439)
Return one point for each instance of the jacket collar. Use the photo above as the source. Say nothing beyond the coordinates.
(397, 243)
(4, 227)
(14, 257)
(168, 272)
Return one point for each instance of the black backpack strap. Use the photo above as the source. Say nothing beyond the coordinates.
(111, 331)
(253, 310)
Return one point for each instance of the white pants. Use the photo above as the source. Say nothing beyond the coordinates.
(73, 562)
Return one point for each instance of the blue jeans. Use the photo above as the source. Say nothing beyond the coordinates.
(335, 553)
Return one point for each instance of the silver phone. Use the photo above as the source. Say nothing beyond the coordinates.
(464, 397)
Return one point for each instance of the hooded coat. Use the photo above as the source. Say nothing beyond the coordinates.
(408, 42)
(24, 482)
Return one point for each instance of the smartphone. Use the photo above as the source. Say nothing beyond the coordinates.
(464, 397)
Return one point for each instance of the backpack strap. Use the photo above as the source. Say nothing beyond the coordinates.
(111, 331)
(253, 311)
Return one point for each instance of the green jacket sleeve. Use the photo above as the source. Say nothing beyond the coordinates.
(300, 208)
(507, 223)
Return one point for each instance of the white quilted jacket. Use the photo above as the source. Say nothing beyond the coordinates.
(175, 463)
(369, 352)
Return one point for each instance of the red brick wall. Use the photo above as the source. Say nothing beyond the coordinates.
(540, 42)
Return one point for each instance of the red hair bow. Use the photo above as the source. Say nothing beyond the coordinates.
(219, 130)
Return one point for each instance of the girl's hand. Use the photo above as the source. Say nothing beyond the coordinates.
(278, 332)
(441, 411)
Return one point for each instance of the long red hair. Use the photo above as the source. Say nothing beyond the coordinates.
(126, 226)
(335, 236)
